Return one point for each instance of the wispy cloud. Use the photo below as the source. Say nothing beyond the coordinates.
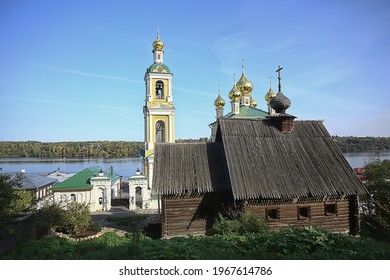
(82, 73)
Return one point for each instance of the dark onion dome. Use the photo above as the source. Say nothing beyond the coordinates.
(280, 103)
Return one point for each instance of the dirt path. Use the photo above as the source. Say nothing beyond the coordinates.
(101, 216)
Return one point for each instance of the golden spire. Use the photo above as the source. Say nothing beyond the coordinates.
(158, 44)
(219, 102)
(270, 94)
(234, 94)
(243, 84)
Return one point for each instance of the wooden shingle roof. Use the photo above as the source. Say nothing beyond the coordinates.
(254, 160)
(189, 168)
(265, 163)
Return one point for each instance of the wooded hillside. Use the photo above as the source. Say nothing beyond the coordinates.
(121, 149)
(93, 149)
(362, 144)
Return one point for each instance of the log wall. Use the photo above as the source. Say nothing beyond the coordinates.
(288, 214)
(191, 214)
(194, 215)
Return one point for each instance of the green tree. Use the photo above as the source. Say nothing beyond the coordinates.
(13, 200)
(376, 216)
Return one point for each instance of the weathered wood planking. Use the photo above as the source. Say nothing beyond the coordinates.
(288, 215)
(191, 215)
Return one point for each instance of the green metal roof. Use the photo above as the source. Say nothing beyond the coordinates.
(248, 113)
(137, 177)
(81, 180)
(158, 68)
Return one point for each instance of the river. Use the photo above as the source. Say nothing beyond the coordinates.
(123, 166)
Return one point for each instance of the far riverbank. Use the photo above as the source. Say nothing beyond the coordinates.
(125, 167)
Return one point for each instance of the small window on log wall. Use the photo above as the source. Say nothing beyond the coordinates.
(303, 212)
(330, 209)
(272, 214)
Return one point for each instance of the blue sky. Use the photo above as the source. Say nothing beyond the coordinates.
(73, 70)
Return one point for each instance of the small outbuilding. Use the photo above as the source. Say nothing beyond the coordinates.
(92, 186)
(39, 186)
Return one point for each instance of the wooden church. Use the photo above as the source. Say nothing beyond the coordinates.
(289, 172)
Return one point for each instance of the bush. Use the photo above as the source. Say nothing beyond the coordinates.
(77, 218)
(50, 217)
(244, 224)
(74, 220)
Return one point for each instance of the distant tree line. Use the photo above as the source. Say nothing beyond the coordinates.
(362, 144)
(202, 139)
(122, 149)
(90, 149)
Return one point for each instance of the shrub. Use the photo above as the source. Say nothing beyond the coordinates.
(245, 223)
(74, 220)
(95, 227)
(50, 217)
(78, 217)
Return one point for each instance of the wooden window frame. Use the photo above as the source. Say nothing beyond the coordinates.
(326, 208)
(299, 213)
(272, 218)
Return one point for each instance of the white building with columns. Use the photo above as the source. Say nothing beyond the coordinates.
(92, 186)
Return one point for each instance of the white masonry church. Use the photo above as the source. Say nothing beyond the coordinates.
(159, 127)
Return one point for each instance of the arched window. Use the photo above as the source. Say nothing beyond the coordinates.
(72, 197)
(160, 90)
(160, 132)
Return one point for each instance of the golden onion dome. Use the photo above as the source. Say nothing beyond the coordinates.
(235, 94)
(244, 85)
(270, 94)
(219, 102)
(158, 44)
(253, 103)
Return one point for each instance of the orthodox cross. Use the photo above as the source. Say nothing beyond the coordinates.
(242, 62)
(279, 84)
